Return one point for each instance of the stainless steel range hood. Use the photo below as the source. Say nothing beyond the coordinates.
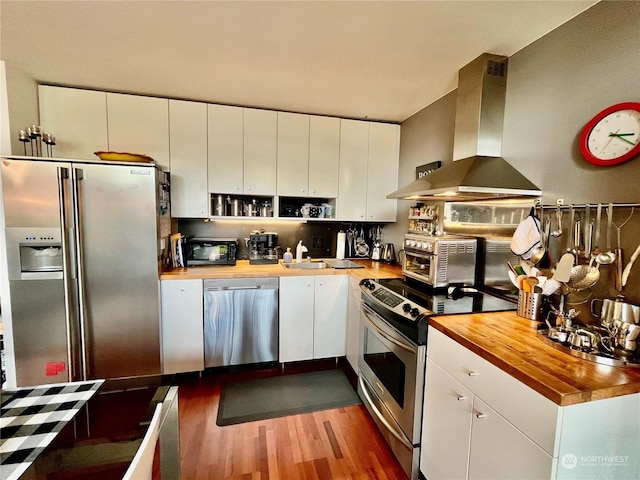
(477, 172)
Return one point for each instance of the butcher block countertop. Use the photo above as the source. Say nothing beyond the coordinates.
(242, 268)
(511, 343)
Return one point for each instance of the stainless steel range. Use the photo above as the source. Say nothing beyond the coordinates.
(395, 316)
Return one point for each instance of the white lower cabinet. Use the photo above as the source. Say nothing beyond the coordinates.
(313, 315)
(479, 422)
(446, 432)
(330, 316)
(499, 451)
(182, 326)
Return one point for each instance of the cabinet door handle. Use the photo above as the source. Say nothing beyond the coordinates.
(472, 374)
(480, 415)
(460, 398)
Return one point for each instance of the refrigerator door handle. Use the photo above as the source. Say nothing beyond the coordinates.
(68, 264)
(76, 177)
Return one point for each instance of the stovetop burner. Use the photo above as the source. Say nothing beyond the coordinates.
(408, 305)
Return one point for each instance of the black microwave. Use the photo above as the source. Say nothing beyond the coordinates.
(210, 251)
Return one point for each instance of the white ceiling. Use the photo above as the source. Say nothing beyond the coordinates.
(383, 60)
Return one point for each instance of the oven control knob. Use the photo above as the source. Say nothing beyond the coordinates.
(369, 285)
(414, 312)
(406, 307)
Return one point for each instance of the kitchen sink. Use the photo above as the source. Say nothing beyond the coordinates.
(306, 265)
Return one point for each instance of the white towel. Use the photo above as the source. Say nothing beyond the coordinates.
(526, 237)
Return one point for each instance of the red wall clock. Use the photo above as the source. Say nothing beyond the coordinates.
(613, 135)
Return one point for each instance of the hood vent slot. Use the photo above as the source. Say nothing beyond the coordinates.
(497, 69)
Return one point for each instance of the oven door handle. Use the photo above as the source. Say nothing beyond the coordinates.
(383, 420)
(384, 334)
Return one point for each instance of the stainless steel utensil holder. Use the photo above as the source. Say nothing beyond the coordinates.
(530, 305)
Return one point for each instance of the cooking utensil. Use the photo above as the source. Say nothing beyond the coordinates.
(558, 231)
(513, 278)
(588, 231)
(529, 284)
(362, 249)
(627, 269)
(537, 253)
(607, 257)
(350, 242)
(619, 253)
(596, 241)
(550, 287)
(582, 277)
(571, 241)
(562, 272)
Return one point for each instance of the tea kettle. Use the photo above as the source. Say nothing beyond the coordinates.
(388, 253)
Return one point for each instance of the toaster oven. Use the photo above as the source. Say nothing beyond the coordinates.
(440, 261)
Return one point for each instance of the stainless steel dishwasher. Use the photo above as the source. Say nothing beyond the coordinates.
(240, 321)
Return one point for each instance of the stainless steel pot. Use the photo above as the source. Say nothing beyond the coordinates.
(608, 311)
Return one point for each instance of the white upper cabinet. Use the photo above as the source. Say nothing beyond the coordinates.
(77, 118)
(369, 155)
(324, 156)
(226, 149)
(354, 155)
(293, 154)
(382, 172)
(139, 125)
(260, 139)
(188, 153)
(219, 149)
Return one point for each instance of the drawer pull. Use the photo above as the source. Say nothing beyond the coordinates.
(472, 374)
(480, 415)
(460, 398)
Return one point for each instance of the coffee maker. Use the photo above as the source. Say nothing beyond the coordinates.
(262, 248)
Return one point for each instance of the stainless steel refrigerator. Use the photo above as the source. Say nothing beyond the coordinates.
(83, 243)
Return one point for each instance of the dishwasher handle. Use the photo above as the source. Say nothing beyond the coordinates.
(248, 287)
(242, 284)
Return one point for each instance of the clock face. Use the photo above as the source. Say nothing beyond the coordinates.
(613, 135)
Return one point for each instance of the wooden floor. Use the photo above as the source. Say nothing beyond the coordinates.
(342, 443)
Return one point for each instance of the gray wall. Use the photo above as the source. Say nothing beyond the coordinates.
(554, 87)
(22, 103)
